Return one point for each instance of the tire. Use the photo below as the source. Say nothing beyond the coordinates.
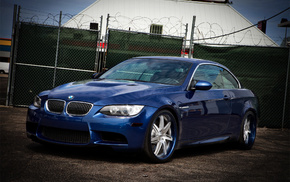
(161, 137)
(248, 131)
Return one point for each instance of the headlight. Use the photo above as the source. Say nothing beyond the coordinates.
(37, 101)
(122, 110)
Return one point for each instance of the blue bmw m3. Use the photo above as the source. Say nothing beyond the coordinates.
(150, 104)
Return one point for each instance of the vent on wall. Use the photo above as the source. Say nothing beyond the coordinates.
(94, 26)
(156, 29)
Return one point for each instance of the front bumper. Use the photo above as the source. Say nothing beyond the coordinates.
(93, 129)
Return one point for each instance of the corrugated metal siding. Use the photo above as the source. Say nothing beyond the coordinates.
(212, 19)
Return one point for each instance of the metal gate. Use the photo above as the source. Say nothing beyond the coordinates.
(123, 45)
(127, 38)
(48, 56)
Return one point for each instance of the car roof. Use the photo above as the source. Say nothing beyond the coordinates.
(195, 61)
(192, 60)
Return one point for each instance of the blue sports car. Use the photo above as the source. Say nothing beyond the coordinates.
(150, 104)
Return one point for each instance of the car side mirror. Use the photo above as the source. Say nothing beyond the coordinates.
(95, 75)
(201, 85)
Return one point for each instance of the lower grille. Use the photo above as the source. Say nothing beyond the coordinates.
(66, 136)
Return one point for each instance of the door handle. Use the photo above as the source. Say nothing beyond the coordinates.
(227, 97)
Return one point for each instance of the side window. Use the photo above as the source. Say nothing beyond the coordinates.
(229, 81)
(210, 73)
(217, 76)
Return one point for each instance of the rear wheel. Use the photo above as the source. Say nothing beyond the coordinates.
(161, 137)
(248, 131)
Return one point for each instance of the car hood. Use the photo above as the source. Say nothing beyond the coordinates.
(106, 92)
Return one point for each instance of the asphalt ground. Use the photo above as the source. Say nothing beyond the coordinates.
(3, 88)
(25, 160)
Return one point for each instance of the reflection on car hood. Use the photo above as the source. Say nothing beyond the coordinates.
(106, 92)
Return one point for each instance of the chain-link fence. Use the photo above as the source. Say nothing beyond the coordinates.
(261, 69)
(123, 45)
(129, 37)
(46, 56)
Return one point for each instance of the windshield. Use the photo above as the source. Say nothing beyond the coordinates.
(162, 71)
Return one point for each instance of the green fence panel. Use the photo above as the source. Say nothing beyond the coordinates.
(123, 45)
(65, 76)
(77, 49)
(37, 44)
(261, 69)
(36, 59)
(29, 81)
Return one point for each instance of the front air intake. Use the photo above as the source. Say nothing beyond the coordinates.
(65, 135)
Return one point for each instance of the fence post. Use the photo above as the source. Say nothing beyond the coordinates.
(97, 62)
(101, 57)
(184, 44)
(191, 37)
(286, 89)
(13, 55)
(57, 48)
(106, 40)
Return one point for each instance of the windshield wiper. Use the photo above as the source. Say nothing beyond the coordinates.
(99, 79)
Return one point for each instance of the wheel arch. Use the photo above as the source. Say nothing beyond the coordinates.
(171, 109)
(251, 105)
(166, 108)
(256, 114)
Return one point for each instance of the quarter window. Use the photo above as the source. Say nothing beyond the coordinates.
(229, 81)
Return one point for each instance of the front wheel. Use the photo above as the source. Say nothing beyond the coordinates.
(161, 137)
(248, 131)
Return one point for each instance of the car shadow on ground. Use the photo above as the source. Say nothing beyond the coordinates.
(84, 153)
(107, 154)
(205, 149)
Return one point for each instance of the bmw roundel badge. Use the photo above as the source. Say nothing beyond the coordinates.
(70, 97)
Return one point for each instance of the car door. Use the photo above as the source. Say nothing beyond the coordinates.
(237, 95)
(207, 111)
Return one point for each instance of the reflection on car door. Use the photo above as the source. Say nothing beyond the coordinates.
(207, 114)
(207, 111)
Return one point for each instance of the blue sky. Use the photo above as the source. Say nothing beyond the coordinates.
(256, 10)
(253, 10)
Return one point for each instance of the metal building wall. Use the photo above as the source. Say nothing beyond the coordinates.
(212, 19)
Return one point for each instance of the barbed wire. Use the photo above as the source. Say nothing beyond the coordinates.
(171, 25)
(205, 32)
(214, 33)
(82, 21)
(243, 29)
(31, 16)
